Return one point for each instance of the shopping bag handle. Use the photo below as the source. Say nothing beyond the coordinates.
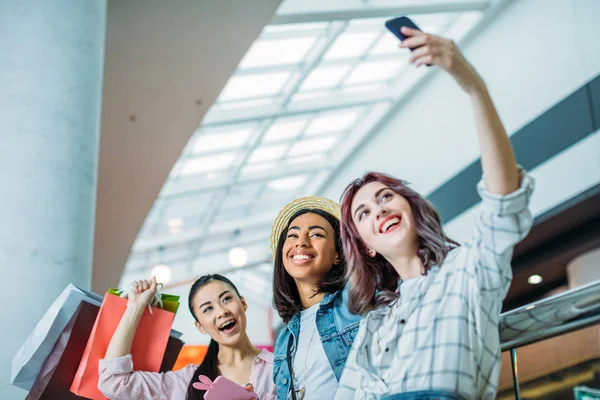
(156, 300)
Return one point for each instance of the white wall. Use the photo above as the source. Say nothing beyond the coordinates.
(532, 55)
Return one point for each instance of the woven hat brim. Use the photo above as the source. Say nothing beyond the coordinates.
(302, 203)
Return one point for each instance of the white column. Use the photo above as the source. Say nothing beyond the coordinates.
(51, 65)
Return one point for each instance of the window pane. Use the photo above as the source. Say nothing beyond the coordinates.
(351, 45)
(306, 159)
(284, 129)
(291, 183)
(374, 71)
(388, 44)
(268, 153)
(208, 163)
(254, 168)
(277, 52)
(321, 145)
(340, 121)
(254, 85)
(223, 139)
(324, 77)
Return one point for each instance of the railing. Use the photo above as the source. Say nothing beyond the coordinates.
(563, 313)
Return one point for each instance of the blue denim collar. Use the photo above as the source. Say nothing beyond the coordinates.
(294, 323)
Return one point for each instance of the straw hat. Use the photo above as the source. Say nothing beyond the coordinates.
(303, 203)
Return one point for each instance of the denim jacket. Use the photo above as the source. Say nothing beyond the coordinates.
(337, 328)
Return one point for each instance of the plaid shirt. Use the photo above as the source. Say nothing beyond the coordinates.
(442, 334)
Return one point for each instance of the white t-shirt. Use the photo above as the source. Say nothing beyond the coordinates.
(319, 381)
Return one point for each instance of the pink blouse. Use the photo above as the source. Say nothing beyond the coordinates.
(118, 380)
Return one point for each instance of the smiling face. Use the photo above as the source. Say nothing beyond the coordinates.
(220, 312)
(384, 220)
(309, 250)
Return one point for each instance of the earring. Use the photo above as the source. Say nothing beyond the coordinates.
(372, 252)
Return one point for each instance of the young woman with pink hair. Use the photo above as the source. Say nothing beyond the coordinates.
(432, 305)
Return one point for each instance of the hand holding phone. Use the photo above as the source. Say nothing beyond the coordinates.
(395, 26)
(223, 389)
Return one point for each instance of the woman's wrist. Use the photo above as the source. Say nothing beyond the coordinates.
(135, 310)
(477, 89)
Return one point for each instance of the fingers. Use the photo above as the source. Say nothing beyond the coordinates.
(249, 387)
(428, 59)
(421, 52)
(153, 283)
(143, 285)
(416, 41)
(406, 31)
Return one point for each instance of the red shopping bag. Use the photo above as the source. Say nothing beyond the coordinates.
(147, 350)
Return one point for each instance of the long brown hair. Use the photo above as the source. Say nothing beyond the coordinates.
(286, 298)
(373, 280)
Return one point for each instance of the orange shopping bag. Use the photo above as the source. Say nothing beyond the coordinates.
(147, 350)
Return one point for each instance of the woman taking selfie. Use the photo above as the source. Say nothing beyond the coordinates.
(220, 312)
(309, 295)
(431, 306)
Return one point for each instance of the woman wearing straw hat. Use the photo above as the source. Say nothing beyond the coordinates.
(309, 295)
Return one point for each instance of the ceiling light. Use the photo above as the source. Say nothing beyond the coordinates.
(162, 273)
(535, 279)
(238, 257)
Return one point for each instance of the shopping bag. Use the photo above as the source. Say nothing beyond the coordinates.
(57, 373)
(168, 302)
(174, 346)
(147, 350)
(28, 361)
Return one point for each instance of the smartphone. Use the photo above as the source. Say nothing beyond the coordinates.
(395, 25)
(223, 389)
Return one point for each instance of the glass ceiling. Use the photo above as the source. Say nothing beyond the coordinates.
(300, 101)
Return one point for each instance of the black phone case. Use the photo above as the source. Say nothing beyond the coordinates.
(395, 24)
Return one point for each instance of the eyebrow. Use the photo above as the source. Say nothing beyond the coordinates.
(310, 228)
(377, 193)
(208, 302)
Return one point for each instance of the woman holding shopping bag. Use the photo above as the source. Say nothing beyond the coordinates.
(219, 311)
(432, 307)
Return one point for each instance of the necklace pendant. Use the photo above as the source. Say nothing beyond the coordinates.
(300, 393)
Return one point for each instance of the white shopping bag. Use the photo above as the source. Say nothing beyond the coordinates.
(30, 358)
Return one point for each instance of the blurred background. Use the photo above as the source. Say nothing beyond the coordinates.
(209, 116)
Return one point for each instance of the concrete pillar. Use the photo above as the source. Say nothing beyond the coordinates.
(51, 65)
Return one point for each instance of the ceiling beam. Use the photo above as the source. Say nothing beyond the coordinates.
(154, 243)
(180, 188)
(369, 11)
(329, 103)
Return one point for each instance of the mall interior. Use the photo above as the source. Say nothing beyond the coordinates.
(161, 138)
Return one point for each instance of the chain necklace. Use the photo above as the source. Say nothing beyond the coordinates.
(301, 392)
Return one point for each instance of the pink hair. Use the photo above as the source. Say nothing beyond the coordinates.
(373, 280)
